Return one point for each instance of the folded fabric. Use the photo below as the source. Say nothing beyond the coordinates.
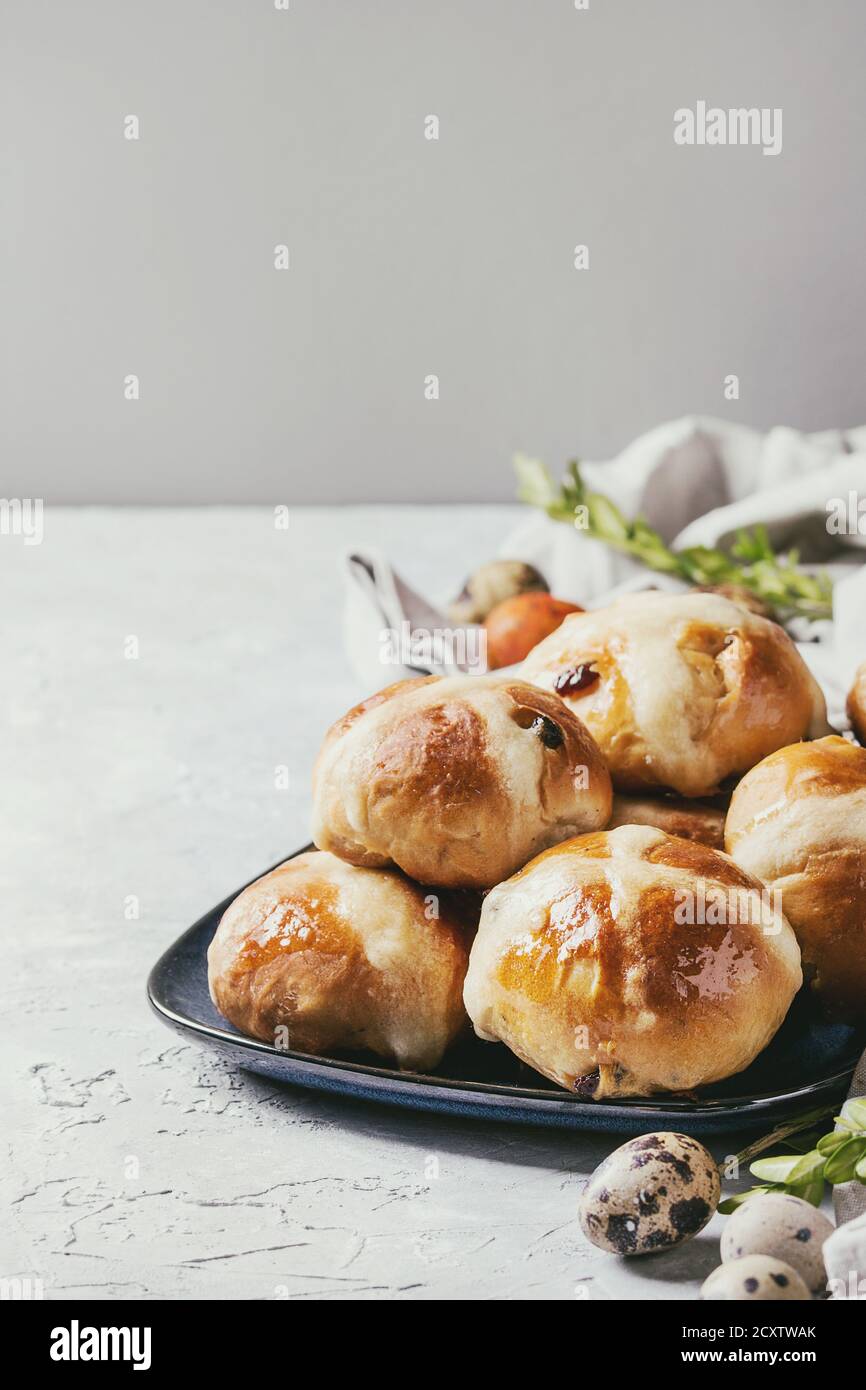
(392, 633)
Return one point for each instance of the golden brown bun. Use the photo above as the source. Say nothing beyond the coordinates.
(691, 820)
(457, 781)
(343, 959)
(691, 688)
(798, 821)
(857, 703)
(598, 965)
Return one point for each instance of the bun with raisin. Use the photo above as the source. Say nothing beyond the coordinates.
(457, 781)
(680, 691)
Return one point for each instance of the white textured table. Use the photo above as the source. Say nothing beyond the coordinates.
(138, 1165)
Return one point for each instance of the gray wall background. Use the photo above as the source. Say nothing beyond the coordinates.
(409, 256)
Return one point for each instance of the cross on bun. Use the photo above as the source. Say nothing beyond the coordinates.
(680, 691)
(628, 962)
(319, 956)
(798, 821)
(457, 781)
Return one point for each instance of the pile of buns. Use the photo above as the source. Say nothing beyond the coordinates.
(622, 862)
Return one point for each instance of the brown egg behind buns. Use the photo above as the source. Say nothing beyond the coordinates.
(341, 958)
(798, 821)
(518, 624)
(456, 781)
(680, 691)
(595, 966)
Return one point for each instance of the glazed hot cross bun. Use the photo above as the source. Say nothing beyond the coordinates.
(798, 821)
(680, 691)
(319, 956)
(457, 781)
(628, 962)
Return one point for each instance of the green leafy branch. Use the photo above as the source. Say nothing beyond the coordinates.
(837, 1157)
(752, 563)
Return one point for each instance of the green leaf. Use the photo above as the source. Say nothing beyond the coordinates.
(854, 1113)
(704, 565)
(860, 1169)
(775, 1169)
(731, 1203)
(829, 1143)
(753, 546)
(643, 533)
(605, 518)
(762, 541)
(841, 1164)
(534, 483)
(812, 1191)
(807, 1170)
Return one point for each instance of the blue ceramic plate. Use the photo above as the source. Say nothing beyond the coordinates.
(808, 1063)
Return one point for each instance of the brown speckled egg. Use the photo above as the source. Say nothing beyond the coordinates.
(754, 1278)
(651, 1194)
(784, 1226)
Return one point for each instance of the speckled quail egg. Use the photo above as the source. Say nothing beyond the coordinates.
(786, 1227)
(491, 584)
(754, 1277)
(650, 1194)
